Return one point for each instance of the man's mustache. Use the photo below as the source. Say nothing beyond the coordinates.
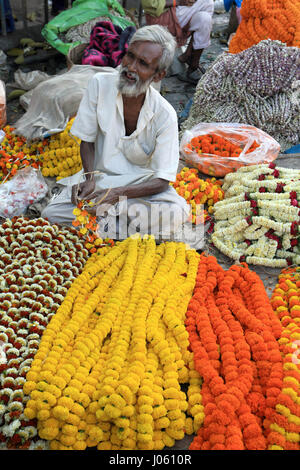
(124, 71)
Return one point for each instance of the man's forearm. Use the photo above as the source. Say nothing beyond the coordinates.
(87, 152)
(149, 188)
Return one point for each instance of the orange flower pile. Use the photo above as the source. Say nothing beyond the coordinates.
(285, 421)
(198, 192)
(267, 19)
(214, 144)
(209, 147)
(88, 226)
(233, 334)
(16, 154)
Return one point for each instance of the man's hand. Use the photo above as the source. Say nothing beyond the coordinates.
(106, 197)
(85, 191)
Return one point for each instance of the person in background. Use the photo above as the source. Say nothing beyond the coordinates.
(184, 19)
(59, 5)
(234, 7)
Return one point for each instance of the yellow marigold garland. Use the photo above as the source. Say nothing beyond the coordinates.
(110, 363)
(285, 422)
(61, 157)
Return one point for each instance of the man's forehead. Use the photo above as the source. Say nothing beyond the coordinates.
(146, 49)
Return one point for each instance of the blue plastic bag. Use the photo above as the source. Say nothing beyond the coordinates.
(228, 4)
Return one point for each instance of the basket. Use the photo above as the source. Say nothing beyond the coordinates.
(75, 54)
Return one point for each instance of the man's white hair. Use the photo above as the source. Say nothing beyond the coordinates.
(159, 35)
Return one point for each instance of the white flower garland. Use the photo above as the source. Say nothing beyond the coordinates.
(258, 221)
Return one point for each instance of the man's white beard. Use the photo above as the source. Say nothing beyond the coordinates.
(135, 89)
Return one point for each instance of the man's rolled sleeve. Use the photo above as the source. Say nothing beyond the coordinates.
(85, 125)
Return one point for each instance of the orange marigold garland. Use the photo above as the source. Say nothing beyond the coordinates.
(284, 421)
(233, 334)
(16, 154)
(88, 226)
(267, 19)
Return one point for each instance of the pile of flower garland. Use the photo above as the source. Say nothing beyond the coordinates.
(259, 86)
(110, 363)
(284, 422)
(16, 154)
(233, 333)
(262, 19)
(61, 157)
(259, 219)
(214, 144)
(198, 192)
(38, 263)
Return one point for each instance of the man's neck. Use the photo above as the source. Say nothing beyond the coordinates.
(132, 107)
(135, 102)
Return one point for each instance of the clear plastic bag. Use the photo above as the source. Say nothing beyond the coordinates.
(2, 104)
(25, 188)
(242, 135)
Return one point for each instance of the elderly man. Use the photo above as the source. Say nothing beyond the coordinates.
(129, 146)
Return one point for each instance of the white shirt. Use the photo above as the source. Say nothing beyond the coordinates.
(151, 151)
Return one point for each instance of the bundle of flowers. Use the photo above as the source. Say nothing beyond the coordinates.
(38, 263)
(284, 422)
(258, 220)
(263, 19)
(233, 333)
(87, 225)
(198, 192)
(15, 154)
(259, 86)
(61, 157)
(110, 365)
(214, 144)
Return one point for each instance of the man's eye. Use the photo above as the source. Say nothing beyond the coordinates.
(143, 63)
(129, 54)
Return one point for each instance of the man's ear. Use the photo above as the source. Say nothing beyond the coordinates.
(158, 76)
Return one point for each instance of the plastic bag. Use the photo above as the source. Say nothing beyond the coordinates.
(25, 188)
(2, 104)
(81, 12)
(54, 102)
(242, 135)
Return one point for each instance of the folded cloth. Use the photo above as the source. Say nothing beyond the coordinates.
(108, 44)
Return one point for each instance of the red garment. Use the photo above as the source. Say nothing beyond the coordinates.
(169, 19)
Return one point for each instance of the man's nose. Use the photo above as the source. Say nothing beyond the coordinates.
(132, 64)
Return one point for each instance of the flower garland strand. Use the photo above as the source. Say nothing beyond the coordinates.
(110, 363)
(234, 342)
(267, 19)
(38, 263)
(284, 421)
(258, 220)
